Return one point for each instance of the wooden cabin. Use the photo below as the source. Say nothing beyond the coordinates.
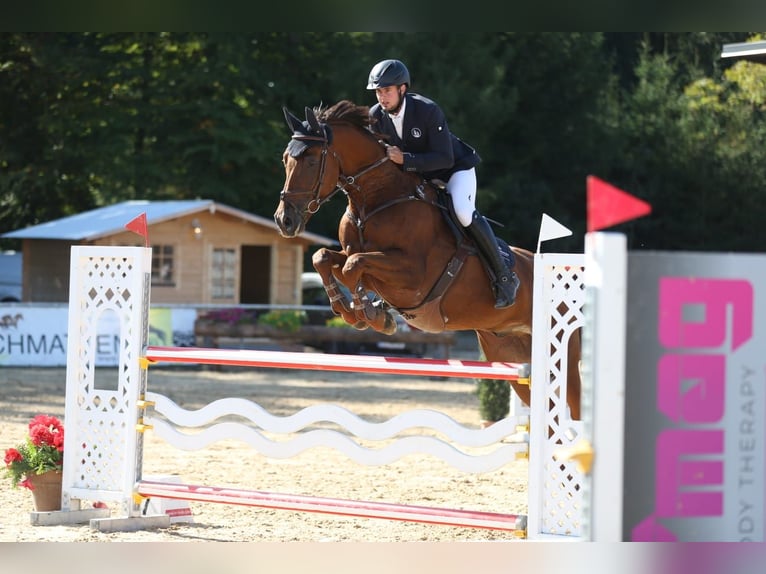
(203, 252)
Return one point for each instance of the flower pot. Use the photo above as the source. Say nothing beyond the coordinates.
(46, 490)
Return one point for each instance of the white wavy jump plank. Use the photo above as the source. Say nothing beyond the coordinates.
(414, 419)
(393, 452)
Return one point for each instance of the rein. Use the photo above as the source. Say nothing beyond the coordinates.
(351, 179)
(361, 220)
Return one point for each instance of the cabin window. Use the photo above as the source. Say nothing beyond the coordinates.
(223, 276)
(163, 266)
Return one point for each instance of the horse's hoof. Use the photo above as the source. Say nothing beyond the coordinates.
(389, 325)
(360, 325)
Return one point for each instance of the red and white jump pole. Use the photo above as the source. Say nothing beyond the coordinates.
(336, 506)
(340, 363)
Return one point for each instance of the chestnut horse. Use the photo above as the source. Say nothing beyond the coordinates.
(397, 241)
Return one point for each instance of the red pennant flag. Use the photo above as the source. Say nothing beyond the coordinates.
(138, 225)
(609, 206)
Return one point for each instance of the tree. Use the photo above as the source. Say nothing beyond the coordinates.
(88, 119)
(693, 150)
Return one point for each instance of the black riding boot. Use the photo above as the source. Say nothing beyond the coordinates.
(506, 281)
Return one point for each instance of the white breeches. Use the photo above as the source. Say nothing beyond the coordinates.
(462, 188)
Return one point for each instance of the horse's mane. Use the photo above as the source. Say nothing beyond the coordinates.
(345, 111)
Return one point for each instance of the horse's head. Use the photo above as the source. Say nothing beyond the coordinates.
(315, 157)
(308, 181)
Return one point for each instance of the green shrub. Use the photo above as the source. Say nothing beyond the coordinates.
(494, 397)
(285, 320)
(339, 322)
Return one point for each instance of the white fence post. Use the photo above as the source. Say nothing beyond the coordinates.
(604, 382)
(103, 446)
(555, 488)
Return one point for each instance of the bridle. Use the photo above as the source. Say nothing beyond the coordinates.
(321, 136)
(344, 181)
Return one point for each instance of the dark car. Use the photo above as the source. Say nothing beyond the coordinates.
(10, 277)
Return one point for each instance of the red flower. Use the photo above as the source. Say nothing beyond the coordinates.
(46, 430)
(12, 455)
(45, 420)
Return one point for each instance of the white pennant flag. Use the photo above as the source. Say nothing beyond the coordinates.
(551, 229)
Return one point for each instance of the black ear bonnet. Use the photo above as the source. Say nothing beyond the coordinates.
(306, 133)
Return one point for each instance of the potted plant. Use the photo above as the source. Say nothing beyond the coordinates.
(230, 321)
(37, 463)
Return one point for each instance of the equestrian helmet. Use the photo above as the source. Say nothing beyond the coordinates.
(388, 73)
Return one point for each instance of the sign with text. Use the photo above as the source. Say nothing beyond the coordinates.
(36, 336)
(695, 397)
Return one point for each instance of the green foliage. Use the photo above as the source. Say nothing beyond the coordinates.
(692, 150)
(494, 398)
(283, 320)
(33, 460)
(337, 322)
(90, 119)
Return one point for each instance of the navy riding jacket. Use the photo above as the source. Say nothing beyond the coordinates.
(428, 145)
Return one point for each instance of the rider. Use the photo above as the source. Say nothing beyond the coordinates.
(422, 142)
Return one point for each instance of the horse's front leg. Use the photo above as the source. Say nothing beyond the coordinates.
(324, 261)
(399, 272)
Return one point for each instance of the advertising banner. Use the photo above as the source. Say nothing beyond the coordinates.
(36, 336)
(695, 397)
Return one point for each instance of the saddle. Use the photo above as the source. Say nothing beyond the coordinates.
(445, 203)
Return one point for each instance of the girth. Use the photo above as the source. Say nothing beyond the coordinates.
(428, 315)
